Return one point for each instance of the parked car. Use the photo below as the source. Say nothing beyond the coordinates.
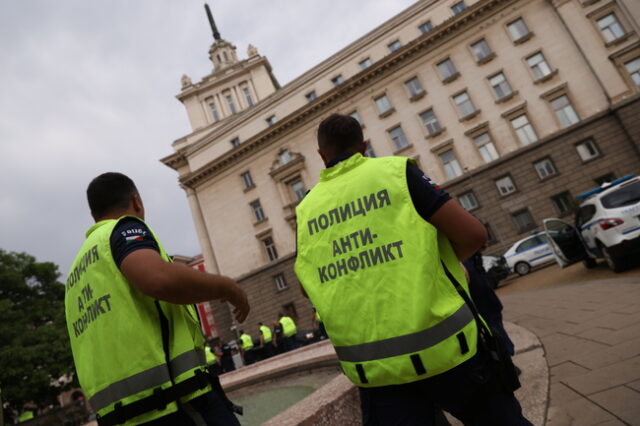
(529, 252)
(606, 225)
(496, 268)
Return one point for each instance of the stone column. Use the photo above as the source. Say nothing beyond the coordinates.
(208, 253)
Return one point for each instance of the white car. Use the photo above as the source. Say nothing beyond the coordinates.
(607, 225)
(529, 252)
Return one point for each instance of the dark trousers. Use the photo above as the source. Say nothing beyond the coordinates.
(290, 343)
(468, 392)
(249, 357)
(267, 350)
(208, 409)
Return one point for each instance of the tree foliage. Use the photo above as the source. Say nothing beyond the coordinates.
(34, 344)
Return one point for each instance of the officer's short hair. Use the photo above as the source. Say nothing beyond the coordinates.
(339, 132)
(109, 192)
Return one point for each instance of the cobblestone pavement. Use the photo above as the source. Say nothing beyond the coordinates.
(590, 331)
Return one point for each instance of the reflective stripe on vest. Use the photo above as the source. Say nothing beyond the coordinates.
(148, 379)
(409, 343)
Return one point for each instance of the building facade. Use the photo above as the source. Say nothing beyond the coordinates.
(513, 106)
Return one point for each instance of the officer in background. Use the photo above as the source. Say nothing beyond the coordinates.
(278, 338)
(265, 340)
(226, 357)
(135, 334)
(378, 253)
(316, 320)
(246, 344)
(289, 331)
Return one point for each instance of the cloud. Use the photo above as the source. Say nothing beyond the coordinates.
(89, 87)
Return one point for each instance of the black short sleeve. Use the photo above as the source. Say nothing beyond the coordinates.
(426, 195)
(129, 235)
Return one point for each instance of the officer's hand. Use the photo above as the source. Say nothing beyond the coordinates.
(240, 302)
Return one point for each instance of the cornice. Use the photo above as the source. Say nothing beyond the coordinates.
(380, 69)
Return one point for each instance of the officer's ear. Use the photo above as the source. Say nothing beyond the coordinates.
(325, 160)
(137, 205)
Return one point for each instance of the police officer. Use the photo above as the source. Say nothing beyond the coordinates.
(226, 357)
(246, 344)
(266, 338)
(134, 332)
(378, 250)
(289, 331)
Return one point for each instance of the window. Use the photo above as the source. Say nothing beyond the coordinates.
(486, 148)
(523, 220)
(270, 248)
(383, 104)
(337, 80)
(299, 190)
(610, 27)
(281, 283)
(414, 87)
(284, 157)
(426, 27)
(544, 168)
(226, 57)
(524, 130)
(430, 121)
(491, 236)
(311, 96)
(247, 180)
(465, 106)
(518, 30)
(481, 50)
(532, 242)
(609, 177)
(271, 120)
(447, 70)
(587, 150)
(458, 7)
(450, 164)
(235, 142)
(214, 111)
(369, 152)
(468, 201)
(500, 85)
(563, 203)
(247, 96)
(564, 111)
(505, 185)
(365, 64)
(398, 137)
(355, 115)
(539, 66)
(633, 68)
(394, 46)
(258, 213)
(231, 104)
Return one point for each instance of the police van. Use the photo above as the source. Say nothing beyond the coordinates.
(607, 226)
(528, 252)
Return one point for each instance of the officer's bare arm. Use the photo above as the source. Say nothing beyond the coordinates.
(180, 284)
(466, 233)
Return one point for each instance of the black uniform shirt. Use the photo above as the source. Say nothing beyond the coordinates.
(129, 235)
(427, 197)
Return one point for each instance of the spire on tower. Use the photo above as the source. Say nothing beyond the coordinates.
(214, 29)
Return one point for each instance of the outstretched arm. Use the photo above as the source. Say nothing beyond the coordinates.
(180, 284)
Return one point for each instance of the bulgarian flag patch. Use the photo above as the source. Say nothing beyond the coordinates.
(134, 238)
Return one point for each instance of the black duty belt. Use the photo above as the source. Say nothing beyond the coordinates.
(157, 401)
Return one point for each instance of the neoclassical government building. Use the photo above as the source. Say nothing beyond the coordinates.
(513, 106)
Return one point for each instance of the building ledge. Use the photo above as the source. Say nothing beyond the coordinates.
(524, 38)
(546, 77)
(507, 98)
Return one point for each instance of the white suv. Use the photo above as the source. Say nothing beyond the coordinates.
(608, 221)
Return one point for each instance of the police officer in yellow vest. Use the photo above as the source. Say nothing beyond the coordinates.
(135, 335)
(378, 254)
(266, 338)
(246, 344)
(289, 331)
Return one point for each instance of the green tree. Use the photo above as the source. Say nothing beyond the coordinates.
(34, 344)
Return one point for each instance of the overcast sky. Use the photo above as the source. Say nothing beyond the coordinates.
(89, 86)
